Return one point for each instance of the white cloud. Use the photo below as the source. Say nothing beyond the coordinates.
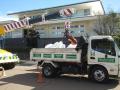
(6, 18)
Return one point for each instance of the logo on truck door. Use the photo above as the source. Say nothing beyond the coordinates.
(109, 60)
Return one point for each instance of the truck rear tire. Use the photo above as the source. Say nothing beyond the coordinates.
(8, 66)
(48, 71)
(99, 74)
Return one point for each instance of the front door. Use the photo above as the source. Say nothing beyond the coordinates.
(103, 53)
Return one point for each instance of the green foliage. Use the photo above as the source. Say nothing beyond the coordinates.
(33, 34)
(108, 24)
(117, 39)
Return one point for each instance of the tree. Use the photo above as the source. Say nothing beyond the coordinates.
(107, 24)
(32, 38)
(117, 39)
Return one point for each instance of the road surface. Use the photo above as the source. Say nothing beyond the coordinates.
(25, 76)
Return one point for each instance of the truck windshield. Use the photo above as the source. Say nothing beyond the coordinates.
(104, 46)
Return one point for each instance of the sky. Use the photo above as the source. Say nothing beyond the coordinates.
(11, 6)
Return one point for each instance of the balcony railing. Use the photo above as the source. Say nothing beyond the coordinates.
(62, 20)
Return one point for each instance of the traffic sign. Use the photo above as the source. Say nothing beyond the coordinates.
(67, 24)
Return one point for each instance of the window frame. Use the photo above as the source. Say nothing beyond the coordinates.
(105, 48)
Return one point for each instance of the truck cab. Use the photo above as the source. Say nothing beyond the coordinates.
(103, 58)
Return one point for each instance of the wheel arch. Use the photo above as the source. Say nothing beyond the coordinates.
(91, 67)
(50, 63)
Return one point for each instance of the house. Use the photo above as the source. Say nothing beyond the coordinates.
(50, 22)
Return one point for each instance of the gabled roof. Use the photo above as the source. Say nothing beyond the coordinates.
(37, 10)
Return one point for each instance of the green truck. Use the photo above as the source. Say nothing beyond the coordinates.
(100, 60)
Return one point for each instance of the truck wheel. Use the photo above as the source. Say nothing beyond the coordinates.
(48, 71)
(8, 66)
(99, 74)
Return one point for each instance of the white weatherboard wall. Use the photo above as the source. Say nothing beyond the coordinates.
(57, 30)
(15, 34)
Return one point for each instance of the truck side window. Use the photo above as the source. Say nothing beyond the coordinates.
(104, 46)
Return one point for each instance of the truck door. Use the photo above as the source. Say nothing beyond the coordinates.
(103, 52)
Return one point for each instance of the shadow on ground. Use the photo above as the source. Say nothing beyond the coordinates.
(59, 83)
(26, 63)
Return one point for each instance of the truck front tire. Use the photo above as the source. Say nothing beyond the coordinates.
(48, 70)
(99, 74)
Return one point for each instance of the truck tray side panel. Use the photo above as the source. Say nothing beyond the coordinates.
(56, 54)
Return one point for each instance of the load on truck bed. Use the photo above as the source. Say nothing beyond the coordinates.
(55, 54)
(7, 59)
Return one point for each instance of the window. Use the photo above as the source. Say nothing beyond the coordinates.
(104, 46)
(33, 17)
(82, 28)
(17, 33)
(86, 12)
(53, 28)
(8, 35)
(75, 26)
(60, 27)
(79, 13)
